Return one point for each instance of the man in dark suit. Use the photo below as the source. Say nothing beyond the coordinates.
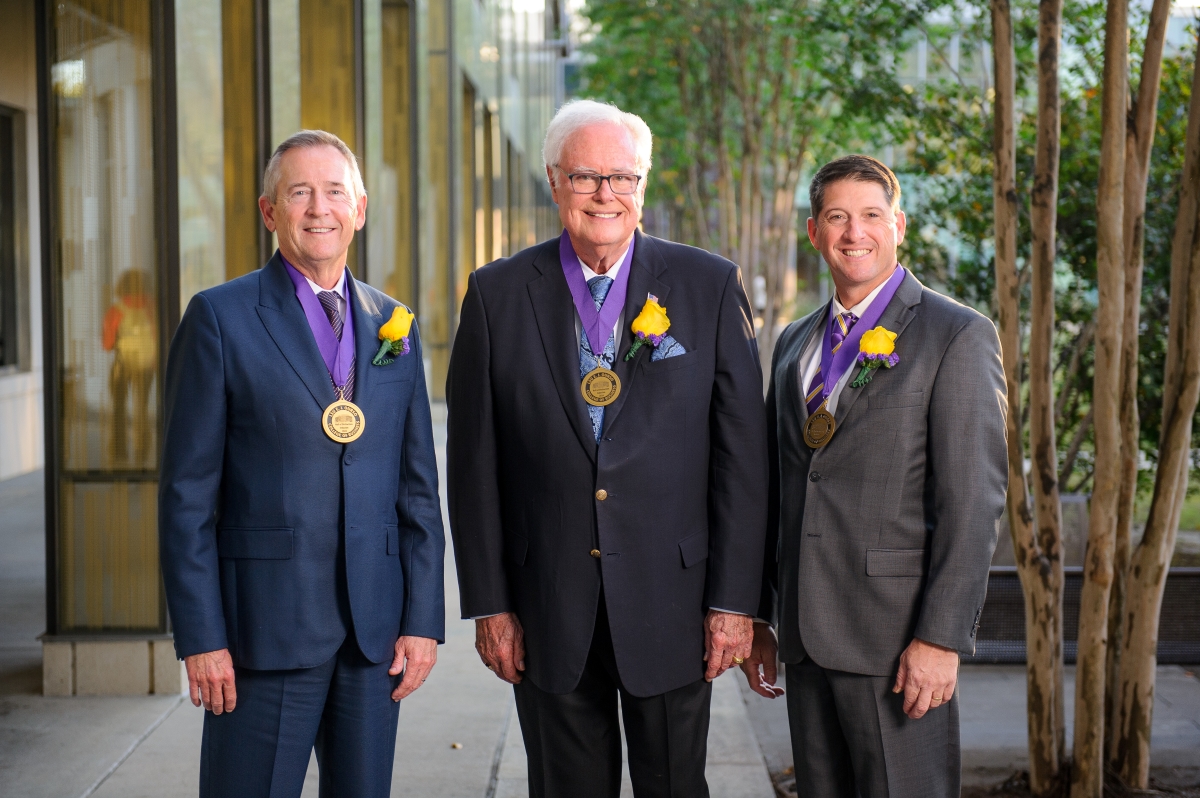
(301, 533)
(607, 510)
(888, 473)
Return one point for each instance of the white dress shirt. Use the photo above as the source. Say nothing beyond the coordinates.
(810, 358)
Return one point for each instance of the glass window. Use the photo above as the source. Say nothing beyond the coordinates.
(244, 163)
(108, 319)
(201, 158)
(9, 353)
(392, 188)
(329, 78)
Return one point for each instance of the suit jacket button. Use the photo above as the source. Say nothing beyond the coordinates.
(349, 459)
(595, 553)
(814, 477)
(601, 495)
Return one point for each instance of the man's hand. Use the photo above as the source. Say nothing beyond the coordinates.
(415, 657)
(500, 641)
(764, 653)
(210, 680)
(927, 677)
(726, 635)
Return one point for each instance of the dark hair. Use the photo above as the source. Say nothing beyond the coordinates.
(862, 168)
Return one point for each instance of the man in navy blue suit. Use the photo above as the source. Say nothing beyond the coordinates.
(300, 528)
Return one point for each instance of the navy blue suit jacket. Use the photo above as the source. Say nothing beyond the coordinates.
(276, 542)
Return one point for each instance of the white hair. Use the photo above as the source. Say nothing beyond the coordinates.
(310, 138)
(578, 114)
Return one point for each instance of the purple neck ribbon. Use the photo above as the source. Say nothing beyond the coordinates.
(597, 324)
(834, 365)
(338, 355)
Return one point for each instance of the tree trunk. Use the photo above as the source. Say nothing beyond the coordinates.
(1150, 560)
(1043, 660)
(1139, 142)
(1043, 217)
(1087, 775)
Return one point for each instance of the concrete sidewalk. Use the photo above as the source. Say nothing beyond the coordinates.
(150, 747)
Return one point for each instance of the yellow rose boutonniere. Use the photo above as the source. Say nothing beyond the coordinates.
(394, 336)
(876, 348)
(650, 325)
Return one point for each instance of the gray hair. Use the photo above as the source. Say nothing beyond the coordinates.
(578, 114)
(310, 138)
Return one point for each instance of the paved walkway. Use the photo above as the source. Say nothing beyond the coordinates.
(135, 747)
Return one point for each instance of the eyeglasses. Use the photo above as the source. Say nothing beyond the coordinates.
(590, 183)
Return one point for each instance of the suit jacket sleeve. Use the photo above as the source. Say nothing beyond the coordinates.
(420, 513)
(190, 482)
(768, 600)
(472, 464)
(966, 484)
(737, 459)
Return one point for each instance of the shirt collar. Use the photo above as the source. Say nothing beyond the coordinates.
(339, 289)
(861, 308)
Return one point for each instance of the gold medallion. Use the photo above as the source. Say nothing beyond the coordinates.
(343, 421)
(819, 428)
(600, 387)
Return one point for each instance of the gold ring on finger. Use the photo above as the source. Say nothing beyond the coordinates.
(738, 660)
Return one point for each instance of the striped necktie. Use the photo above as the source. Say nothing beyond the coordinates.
(844, 324)
(329, 301)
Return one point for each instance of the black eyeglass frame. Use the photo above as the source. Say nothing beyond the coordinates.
(602, 178)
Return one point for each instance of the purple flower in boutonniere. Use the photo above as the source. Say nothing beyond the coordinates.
(394, 336)
(876, 348)
(650, 325)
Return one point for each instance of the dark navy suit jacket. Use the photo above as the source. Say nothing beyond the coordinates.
(682, 463)
(276, 542)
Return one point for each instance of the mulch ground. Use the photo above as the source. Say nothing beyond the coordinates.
(1017, 786)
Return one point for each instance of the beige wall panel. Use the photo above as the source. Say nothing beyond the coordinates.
(117, 667)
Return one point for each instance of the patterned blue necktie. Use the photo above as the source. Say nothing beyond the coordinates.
(587, 361)
(329, 301)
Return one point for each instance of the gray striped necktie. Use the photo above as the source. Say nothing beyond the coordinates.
(329, 301)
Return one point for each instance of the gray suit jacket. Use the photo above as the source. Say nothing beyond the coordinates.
(887, 532)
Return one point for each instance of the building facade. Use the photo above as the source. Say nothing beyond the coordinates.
(133, 135)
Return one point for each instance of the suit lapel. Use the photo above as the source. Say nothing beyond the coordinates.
(554, 311)
(367, 319)
(287, 325)
(896, 317)
(794, 376)
(644, 273)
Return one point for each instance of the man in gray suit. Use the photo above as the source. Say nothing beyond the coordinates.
(888, 472)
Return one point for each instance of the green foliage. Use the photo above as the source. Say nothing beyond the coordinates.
(948, 176)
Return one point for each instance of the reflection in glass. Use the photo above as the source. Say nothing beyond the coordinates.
(108, 318)
(328, 78)
(391, 189)
(200, 145)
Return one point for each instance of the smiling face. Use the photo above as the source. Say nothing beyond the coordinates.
(601, 224)
(314, 212)
(857, 232)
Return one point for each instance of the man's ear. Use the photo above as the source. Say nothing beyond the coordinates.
(360, 217)
(901, 226)
(812, 233)
(268, 213)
